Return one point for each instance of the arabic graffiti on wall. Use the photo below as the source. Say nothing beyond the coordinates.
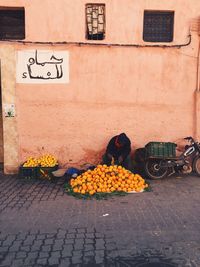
(39, 66)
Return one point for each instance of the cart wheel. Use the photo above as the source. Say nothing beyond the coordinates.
(153, 169)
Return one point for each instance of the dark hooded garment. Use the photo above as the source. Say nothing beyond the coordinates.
(125, 148)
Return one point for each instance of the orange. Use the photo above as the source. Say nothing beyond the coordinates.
(90, 187)
(120, 179)
(83, 180)
(132, 185)
(128, 181)
(95, 187)
(75, 183)
(84, 186)
(91, 192)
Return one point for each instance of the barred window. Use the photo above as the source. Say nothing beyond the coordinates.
(12, 23)
(158, 26)
(95, 21)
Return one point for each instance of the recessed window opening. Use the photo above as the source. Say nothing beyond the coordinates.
(95, 21)
(12, 23)
(158, 26)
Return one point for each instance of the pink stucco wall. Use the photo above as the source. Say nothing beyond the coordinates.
(149, 92)
(64, 20)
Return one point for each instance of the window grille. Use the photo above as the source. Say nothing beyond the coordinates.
(158, 26)
(12, 23)
(95, 21)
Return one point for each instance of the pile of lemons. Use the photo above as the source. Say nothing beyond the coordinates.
(108, 179)
(47, 160)
(31, 162)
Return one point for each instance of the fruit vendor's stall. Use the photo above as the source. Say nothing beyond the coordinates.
(104, 181)
(99, 182)
(41, 167)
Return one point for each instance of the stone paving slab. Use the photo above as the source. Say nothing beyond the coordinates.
(40, 225)
(21, 193)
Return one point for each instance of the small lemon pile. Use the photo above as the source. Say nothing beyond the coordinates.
(107, 179)
(47, 160)
(31, 162)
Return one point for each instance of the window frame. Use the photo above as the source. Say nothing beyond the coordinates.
(104, 23)
(161, 37)
(10, 34)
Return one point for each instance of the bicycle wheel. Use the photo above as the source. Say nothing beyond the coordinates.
(154, 170)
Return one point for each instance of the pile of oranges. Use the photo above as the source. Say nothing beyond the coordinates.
(107, 179)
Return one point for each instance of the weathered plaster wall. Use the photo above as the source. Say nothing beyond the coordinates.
(64, 20)
(149, 93)
(10, 133)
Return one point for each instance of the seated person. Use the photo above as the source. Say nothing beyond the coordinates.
(118, 151)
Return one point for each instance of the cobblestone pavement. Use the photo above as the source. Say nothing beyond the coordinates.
(40, 225)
